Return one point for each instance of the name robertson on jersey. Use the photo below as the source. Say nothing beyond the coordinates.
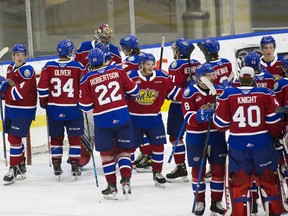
(62, 72)
(103, 78)
(247, 100)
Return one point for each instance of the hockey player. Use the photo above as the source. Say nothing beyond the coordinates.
(249, 113)
(180, 71)
(20, 93)
(262, 77)
(197, 108)
(130, 46)
(103, 34)
(145, 113)
(270, 60)
(103, 90)
(58, 88)
(222, 66)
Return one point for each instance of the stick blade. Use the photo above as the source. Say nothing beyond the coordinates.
(209, 85)
(3, 51)
(204, 51)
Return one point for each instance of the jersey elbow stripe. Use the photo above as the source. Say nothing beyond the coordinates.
(15, 94)
(220, 123)
(134, 91)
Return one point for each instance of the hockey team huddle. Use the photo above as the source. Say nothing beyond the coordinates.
(124, 100)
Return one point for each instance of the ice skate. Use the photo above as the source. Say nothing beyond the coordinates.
(217, 208)
(138, 159)
(145, 165)
(125, 181)
(57, 168)
(75, 169)
(21, 171)
(110, 192)
(159, 179)
(208, 176)
(200, 208)
(10, 177)
(178, 174)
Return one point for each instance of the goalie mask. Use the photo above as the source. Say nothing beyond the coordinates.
(104, 33)
(65, 48)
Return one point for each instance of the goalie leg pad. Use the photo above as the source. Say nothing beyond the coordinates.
(239, 186)
(269, 183)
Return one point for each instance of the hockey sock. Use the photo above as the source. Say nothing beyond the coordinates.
(157, 157)
(16, 150)
(202, 189)
(75, 148)
(217, 181)
(56, 147)
(109, 166)
(179, 154)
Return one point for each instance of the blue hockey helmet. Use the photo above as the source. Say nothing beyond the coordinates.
(129, 42)
(181, 47)
(96, 57)
(105, 50)
(203, 69)
(19, 48)
(145, 57)
(252, 59)
(212, 46)
(267, 40)
(65, 47)
(284, 62)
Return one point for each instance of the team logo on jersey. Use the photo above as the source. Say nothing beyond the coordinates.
(146, 96)
(261, 78)
(207, 106)
(27, 73)
(186, 92)
(245, 91)
(276, 85)
(174, 64)
(62, 65)
(131, 58)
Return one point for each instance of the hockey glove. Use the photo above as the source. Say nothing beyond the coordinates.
(278, 144)
(204, 115)
(3, 84)
(226, 84)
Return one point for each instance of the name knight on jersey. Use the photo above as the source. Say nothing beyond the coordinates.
(244, 100)
(62, 72)
(104, 77)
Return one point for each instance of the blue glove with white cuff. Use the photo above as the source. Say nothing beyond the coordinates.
(204, 115)
(3, 84)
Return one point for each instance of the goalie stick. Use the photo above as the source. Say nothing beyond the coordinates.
(3, 51)
(203, 158)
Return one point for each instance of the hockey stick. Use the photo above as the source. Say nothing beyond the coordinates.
(3, 51)
(203, 158)
(91, 152)
(177, 140)
(49, 140)
(3, 132)
(191, 49)
(204, 51)
(161, 51)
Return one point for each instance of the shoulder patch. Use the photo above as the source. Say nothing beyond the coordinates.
(27, 73)
(131, 58)
(174, 64)
(186, 92)
(276, 85)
